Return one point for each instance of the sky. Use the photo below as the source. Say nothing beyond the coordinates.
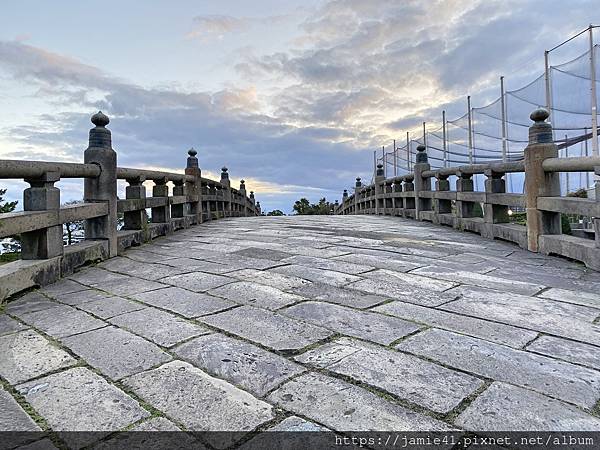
(293, 96)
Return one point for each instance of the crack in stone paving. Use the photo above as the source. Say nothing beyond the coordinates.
(263, 341)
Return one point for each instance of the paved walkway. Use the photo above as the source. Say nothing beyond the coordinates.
(342, 323)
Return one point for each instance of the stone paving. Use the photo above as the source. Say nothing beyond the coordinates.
(344, 323)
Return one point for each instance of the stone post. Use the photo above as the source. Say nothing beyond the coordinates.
(161, 214)
(194, 188)
(42, 196)
(357, 189)
(596, 220)
(179, 189)
(138, 219)
(104, 187)
(539, 183)
(409, 202)
(379, 180)
(494, 184)
(442, 206)
(226, 183)
(244, 199)
(258, 210)
(345, 201)
(421, 184)
(464, 209)
(252, 203)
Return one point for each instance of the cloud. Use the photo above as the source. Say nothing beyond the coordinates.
(209, 26)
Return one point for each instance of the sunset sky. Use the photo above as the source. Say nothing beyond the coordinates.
(291, 95)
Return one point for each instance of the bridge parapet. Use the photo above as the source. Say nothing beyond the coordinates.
(488, 212)
(192, 199)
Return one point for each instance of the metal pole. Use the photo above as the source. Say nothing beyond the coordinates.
(547, 80)
(407, 151)
(566, 156)
(424, 135)
(593, 92)
(502, 94)
(384, 160)
(374, 163)
(470, 130)
(395, 159)
(587, 174)
(444, 138)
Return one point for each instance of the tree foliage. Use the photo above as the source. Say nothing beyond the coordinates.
(304, 207)
(276, 212)
(6, 207)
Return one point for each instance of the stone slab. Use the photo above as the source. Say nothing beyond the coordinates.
(198, 401)
(572, 296)
(158, 326)
(9, 325)
(340, 296)
(562, 380)
(409, 279)
(316, 275)
(361, 324)
(269, 329)
(242, 364)
(412, 379)
(183, 302)
(156, 424)
(80, 400)
(27, 355)
(575, 352)
(62, 321)
(273, 279)
(110, 307)
(81, 297)
(115, 283)
(197, 265)
(548, 316)
(398, 265)
(61, 287)
(256, 294)
(12, 416)
(292, 433)
(342, 406)
(144, 270)
(31, 302)
(490, 331)
(478, 279)
(404, 292)
(263, 253)
(115, 352)
(503, 407)
(328, 264)
(197, 281)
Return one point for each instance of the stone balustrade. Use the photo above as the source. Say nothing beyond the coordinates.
(193, 200)
(425, 195)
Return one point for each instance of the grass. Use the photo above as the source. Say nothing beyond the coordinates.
(9, 257)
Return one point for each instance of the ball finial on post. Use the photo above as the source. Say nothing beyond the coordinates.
(421, 154)
(541, 131)
(100, 119)
(192, 161)
(379, 172)
(358, 182)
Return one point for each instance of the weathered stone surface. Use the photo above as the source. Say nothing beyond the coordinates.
(198, 265)
(549, 316)
(490, 331)
(114, 283)
(199, 401)
(477, 279)
(399, 265)
(238, 362)
(365, 325)
(61, 287)
(575, 352)
(316, 275)
(404, 292)
(155, 434)
(110, 307)
(503, 407)
(12, 416)
(198, 281)
(295, 423)
(256, 294)
(115, 352)
(145, 270)
(340, 296)
(572, 296)
(344, 407)
(27, 355)
(79, 400)
(263, 253)
(183, 302)
(62, 321)
(158, 326)
(292, 433)
(156, 424)
(275, 280)
(9, 326)
(328, 264)
(269, 329)
(30, 303)
(408, 279)
(408, 377)
(559, 379)
(81, 297)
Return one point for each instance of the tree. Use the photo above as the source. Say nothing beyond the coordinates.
(304, 207)
(276, 212)
(7, 206)
(69, 228)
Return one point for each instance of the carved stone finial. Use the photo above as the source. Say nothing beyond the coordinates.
(421, 155)
(539, 115)
(379, 172)
(224, 169)
(100, 119)
(192, 161)
(192, 152)
(541, 131)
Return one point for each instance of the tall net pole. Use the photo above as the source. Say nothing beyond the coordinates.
(408, 151)
(395, 159)
(503, 106)
(593, 93)
(424, 135)
(384, 160)
(444, 138)
(470, 130)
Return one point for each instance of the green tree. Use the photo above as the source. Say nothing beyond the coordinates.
(276, 212)
(302, 206)
(6, 207)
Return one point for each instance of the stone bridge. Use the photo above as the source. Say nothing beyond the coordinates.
(303, 323)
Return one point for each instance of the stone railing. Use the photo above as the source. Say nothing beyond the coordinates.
(412, 196)
(45, 258)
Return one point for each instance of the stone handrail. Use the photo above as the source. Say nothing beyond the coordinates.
(45, 258)
(412, 196)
